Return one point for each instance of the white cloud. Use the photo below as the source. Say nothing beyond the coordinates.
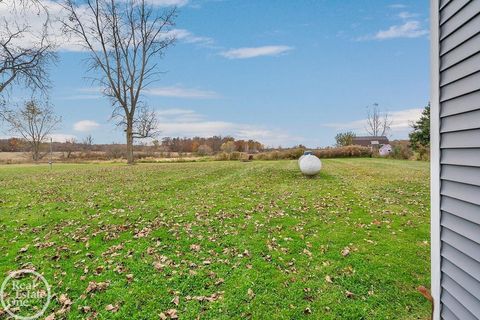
(181, 92)
(401, 121)
(397, 6)
(407, 15)
(410, 29)
(188, 123)
(85, 125)
(188, 37)
(35, 19)
(245, 53)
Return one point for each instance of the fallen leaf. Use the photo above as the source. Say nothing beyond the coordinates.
(96, 286)
(176, 300)
(195, 247)
(112, 308)
(51, 317)
(328, 279)
(250, 293)
(345, 251)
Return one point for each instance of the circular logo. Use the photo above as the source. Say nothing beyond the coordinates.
(25, 294)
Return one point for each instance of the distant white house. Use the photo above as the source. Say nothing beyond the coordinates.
(375, 143)
(385, 150)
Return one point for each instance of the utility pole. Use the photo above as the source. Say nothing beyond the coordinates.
(51, 161)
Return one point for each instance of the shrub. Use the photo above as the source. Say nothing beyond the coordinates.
(422, 153)
(401, 150)
(223, 156)
(204, 150)
(344, 152)
(295, 153)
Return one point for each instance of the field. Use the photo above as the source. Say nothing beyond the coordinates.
(222, 240)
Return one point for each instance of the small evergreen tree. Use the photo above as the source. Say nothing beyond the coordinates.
(420, 136)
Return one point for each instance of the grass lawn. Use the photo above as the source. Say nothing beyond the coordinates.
(221, 240)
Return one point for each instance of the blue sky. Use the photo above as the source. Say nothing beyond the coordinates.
(282, 72)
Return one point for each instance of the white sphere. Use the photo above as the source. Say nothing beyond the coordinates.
(310, 165)
(300, 159)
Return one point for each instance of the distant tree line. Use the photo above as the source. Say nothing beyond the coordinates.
(198, 145)
(208, 145)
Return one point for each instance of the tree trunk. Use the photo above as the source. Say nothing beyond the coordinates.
(35, 152)
(129, 133)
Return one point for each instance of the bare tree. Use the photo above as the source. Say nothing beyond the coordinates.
(124, 39)
(33, 122)
(88, 142)
(24, 53)
(378, 122)
(145, 122)
(70, 146)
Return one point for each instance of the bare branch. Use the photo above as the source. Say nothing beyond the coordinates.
(124, 39)
(378, 123)
(34, 122)
(21, 62)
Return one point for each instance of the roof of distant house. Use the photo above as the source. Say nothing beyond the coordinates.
(367, 141)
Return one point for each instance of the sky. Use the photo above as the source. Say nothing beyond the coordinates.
(281, 72)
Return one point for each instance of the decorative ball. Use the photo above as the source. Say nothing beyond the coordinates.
(310, 165)
(300, 159)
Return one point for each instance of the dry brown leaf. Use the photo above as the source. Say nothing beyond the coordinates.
(64, 300)
(50, 317)
(250, 293)
(328, 279)
(96, 286)
(112, 308)
(307, 252)
(195, 247)
(85, 309)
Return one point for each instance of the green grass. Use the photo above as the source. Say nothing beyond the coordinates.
(258, 235)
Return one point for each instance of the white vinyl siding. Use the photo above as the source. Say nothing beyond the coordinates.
(459, 156)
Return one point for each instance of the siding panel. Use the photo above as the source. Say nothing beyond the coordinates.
(460, 87)
(462, 174)
(457, 241)
(461, 191)
(456, 307)
(464, 262)
(468, 300)
(447, 314)
(457, 275)
(461, 69)
(461, 139)
(461, 226)
(462, 121)
(460, 53)
(459, 132)
(462, 157)
(467, 31)
(459, 18)
(448, 11)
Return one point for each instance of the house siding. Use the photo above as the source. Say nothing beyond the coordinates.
(459, 132)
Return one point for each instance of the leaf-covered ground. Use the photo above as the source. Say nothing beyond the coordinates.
(222, 240)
